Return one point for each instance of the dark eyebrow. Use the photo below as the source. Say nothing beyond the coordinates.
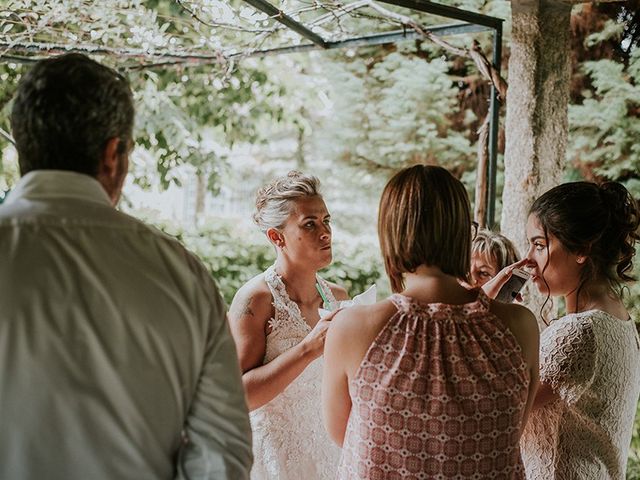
(314, 217)
(538, 237)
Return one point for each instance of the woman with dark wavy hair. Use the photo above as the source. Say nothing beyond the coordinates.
(582, 238)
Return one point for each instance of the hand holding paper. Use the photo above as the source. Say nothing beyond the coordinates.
(368, 297)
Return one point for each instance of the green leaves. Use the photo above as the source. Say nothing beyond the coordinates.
(604, 129)
(234, 253)
(395, 113)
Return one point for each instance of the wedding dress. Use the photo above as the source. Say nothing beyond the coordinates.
(289, 439)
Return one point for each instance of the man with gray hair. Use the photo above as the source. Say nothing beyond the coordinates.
(116, 360)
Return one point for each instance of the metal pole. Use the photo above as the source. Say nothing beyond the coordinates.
(494, 127)
(193, 59)
(448, 12)
(366, 40)
(285, 19)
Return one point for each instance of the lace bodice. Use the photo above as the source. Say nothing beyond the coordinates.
(289, 439)
(288, 327)
(592, 361)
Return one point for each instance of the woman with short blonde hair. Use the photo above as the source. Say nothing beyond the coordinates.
(490, 253)
(280, 336)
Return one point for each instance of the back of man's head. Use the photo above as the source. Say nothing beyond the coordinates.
(65, 111)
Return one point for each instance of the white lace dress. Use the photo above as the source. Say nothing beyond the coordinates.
(592, 360)
(289, 439)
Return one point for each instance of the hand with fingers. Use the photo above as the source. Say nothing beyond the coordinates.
(493, 286)
(315, 338)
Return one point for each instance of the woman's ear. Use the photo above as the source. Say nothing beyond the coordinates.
(275, 237)
(581, 259)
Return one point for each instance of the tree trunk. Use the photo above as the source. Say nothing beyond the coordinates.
(537, 105)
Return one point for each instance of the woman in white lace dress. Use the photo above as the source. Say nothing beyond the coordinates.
(582, 238)
(280, 337)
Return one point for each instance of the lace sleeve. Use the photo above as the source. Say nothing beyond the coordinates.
(568, 357)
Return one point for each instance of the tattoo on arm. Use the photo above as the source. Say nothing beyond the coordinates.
(245, 307)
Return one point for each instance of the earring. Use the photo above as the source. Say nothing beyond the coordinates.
(580, 260)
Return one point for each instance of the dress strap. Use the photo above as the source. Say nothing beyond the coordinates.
(278, 291)
(326, 289)
(286, 310)
(399, 301)
(407, 304)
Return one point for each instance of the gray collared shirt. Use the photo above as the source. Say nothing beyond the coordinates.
(116, 360)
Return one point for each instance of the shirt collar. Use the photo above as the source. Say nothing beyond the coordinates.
(51, 184)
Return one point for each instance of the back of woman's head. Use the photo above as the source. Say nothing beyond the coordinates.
(276, 200)
(597, 221)
(495, 247)
(424, 219)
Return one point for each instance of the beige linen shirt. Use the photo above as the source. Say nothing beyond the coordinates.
(116, 360)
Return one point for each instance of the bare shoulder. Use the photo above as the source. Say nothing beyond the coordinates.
(354, 329)
(513, 312)
(361, 319)
(253, 298)
(522, 324)
(340, 293)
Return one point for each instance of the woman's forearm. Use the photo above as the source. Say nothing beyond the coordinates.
(262, 384)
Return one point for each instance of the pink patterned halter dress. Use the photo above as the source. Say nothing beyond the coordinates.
(440, 394)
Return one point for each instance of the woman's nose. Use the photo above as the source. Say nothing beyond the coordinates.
(529, 257)
(326, 233)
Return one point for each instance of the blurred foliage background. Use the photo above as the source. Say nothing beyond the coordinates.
(208, 135)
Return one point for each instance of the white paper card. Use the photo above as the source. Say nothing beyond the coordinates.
(368, 297)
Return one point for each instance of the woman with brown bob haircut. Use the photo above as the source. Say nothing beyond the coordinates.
(437, 380)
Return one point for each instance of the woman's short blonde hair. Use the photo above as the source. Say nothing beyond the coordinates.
(424, 219)
(275, 201)
(495, 247)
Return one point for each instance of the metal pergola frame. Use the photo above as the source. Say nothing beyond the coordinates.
(472, 22)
